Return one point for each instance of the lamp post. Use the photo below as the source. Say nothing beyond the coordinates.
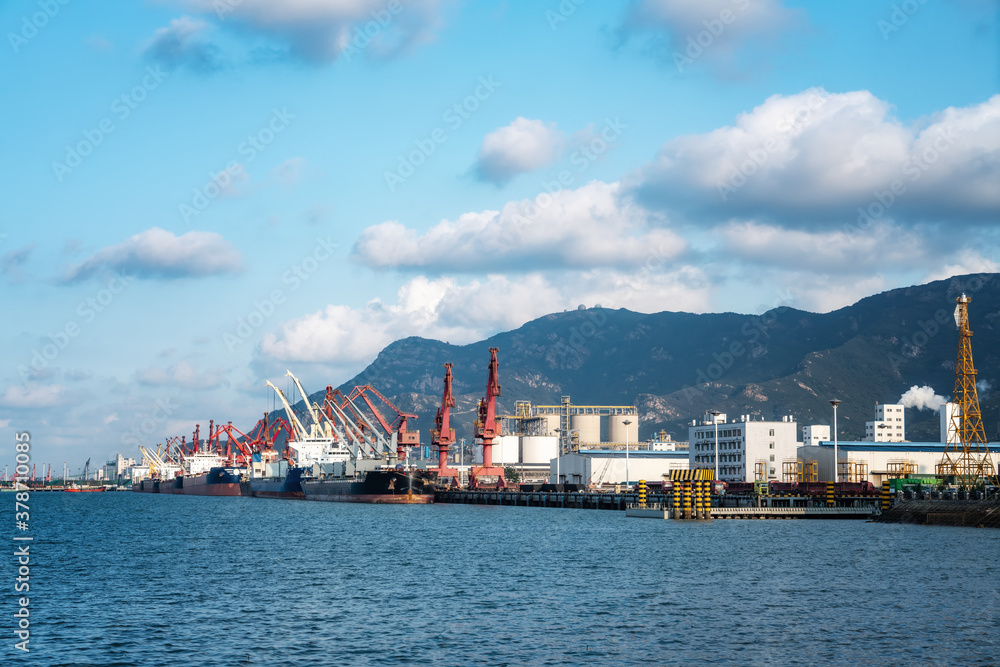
(836, 461)
(626, 422)
(715, 420)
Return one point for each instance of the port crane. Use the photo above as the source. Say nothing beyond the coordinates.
(398, 429)
(487, 428)
(443, 435)
(316, 444)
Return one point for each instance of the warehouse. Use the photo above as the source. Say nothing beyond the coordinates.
(595, 467)
(876, 461)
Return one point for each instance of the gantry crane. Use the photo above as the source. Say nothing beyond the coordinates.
(487, 428)
(443, 435)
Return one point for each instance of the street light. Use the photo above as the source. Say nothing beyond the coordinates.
(836, 461)
(626, 422)
(715, 419)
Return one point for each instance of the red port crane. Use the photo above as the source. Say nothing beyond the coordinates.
(442, 435)
(487, 429)
(404, 437)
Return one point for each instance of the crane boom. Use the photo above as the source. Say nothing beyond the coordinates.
(313, 408)
(300, 431)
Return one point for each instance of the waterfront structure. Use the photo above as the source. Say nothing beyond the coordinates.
(815, 434)
(118, 468)
(597, 467)
(875, 462)
(580, 426)
(662, 442)
(748, 450)
(889, 424)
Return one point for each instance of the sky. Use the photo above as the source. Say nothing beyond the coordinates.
(201, 194)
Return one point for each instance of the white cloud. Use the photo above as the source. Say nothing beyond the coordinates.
(585, 228)
(879, 248)
(182, 43)
(323, 30)
(33, 396)
(521, 147)
(113, 417)
(159, 253)
(711, 31)
(4, 423)
(182, 374)
(922, 398)
(815, 157)
(445, 310)
(965, 262)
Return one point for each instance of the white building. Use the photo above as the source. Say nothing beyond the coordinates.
(595, 467)
(889, 424)
(742, 445)
(815, 434)
(879, 459)
(949, 411)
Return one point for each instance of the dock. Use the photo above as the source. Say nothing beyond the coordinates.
(859, 512)
(659, 506)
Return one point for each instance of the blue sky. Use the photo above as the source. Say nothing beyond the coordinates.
(201, 194)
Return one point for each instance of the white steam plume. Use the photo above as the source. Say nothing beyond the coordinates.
(922, 398)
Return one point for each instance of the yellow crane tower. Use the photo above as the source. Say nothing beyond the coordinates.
(966, 455)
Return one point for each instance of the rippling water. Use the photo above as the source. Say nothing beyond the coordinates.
(123, 578)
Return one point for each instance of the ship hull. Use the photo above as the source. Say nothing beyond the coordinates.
(146, 486)
(289, 486)
(377, 487)
(173, 486)
(215, 482)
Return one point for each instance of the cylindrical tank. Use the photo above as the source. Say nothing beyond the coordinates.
(538, 448)
(617, 430)
(552, 422)
(589, 427)
(506, 449)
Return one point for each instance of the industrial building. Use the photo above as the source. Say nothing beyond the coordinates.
(815, 434)
(747, 450)
(534, 435)
(582, 426)
(605, 466)
(889, 424)
(874, 462)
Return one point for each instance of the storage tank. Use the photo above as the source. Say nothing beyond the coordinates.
(506, 449)
(538, 448)
(589, 427)
(617, 429)
(552, 422)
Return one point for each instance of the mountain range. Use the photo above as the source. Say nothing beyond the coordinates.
(674, 366)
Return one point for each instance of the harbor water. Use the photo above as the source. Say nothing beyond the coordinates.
(136, 579)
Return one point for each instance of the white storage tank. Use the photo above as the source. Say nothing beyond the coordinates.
(506, 450)
(552, 422)
(617, 430)
(538, 448)
(589, 427)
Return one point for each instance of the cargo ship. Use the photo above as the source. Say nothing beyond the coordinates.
(288, 486)
(174, 486)
(218, 481)
(374, 486)
(144, 485)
